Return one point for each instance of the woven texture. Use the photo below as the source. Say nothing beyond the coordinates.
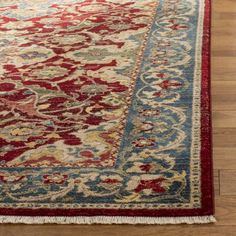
(105, 111)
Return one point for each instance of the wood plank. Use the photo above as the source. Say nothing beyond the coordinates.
(224, 158)
(223, 6)
(223, 52)
(220, 16)
(117, 230)
(217, 182)
(223, 87)
(224, 137)
(228, 182)
(227, 22)
(224, 68)
(226, 210)
(225, 42)
(219, 100)
(223, 103)
(224, 119)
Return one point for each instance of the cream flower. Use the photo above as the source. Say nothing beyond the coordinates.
(18, 24)
(20, 132)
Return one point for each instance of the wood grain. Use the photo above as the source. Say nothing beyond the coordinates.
(224, 119)
(228, 182)
(226, 210)
(224, 137)
(224, 122)
(224, 158)
(217, 182)
(96, 230)
(224, 68)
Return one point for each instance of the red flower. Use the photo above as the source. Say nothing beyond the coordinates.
(11, 178)
(154, 185)
(110, 181)
(166, 84)
(87, 153)
(146, 167)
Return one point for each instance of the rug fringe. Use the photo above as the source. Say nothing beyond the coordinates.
(106, 220)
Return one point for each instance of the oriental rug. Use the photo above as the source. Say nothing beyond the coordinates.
(105, 111)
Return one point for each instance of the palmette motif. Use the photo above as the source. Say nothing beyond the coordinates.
(99, 104)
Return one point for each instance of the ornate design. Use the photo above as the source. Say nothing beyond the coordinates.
(99, 103)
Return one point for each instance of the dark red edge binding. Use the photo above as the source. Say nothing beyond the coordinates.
(206, 157)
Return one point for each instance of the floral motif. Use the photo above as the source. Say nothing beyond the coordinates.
(144, 142)
(55, 178)
(11, 178)
(50, 72)
(21, 132)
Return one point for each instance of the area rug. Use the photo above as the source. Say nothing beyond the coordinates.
(105, 112)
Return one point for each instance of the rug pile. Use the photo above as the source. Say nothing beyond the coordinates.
(105, 111)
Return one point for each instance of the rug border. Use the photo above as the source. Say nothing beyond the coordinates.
(135, 216)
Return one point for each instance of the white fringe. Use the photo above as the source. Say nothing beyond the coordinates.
(106, 220)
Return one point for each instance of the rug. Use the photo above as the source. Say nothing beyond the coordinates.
(105, 112)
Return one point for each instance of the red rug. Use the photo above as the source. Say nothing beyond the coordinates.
(105, 111)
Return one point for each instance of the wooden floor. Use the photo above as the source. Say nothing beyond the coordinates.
(224, 123)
